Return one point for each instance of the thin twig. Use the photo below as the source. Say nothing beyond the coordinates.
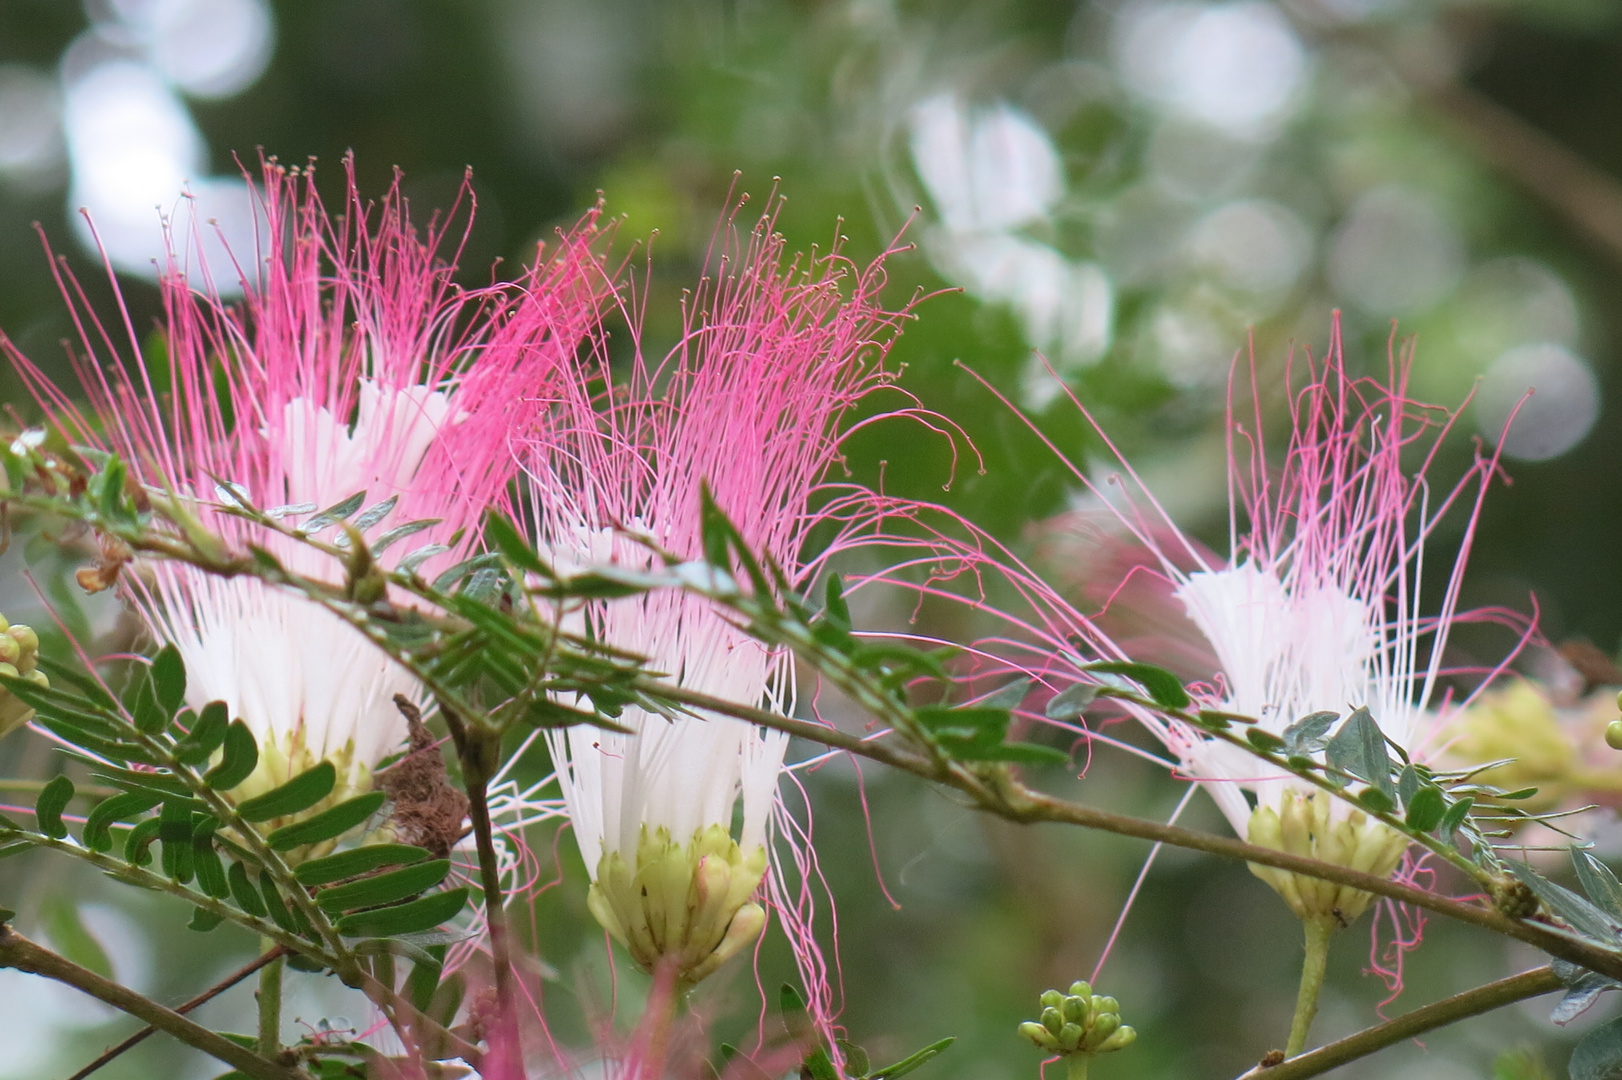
(18, 952)
(185, 1007)
(1527, 984)
(1018, 803)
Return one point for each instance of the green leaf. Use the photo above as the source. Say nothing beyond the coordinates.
(168, 673)
(1264, 740)
(1454, 818)
(111, 502)
(1583, 916)
(1518, 793)
(373, 514)
(424, 978)
(1165, 689)
(111, 749)
(121, 807)
(174, 829)
(6, 915)
(357, 861)
(137, 846)
(817, 1064)
(414, 559)
(53, 799)
(912, 1061)
(383, 888)
(1306, 735)
(204, 921)
(331, 514)
(395, 946)
(241, 757)
(1598, 882)
(242, 890)
(1426, 808)
(206, 734)
(1072, 701)
(1358, 748)
(487, 561)
(1599, 1055)
(144, 708)
(421, 914)
(329, 824)
(63, 675)
(1023, 753)
(964, 717)
(855, 1058)
(835, 611)
(504, 536)
(1010, 696)
(1583, 989)
(300, 793)
(162, 784)
(1376, 800)
(400, 532)
(275, 906)
(206, 861)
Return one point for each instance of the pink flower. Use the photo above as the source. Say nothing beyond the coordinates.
(1318, 607)
(773, 358)
(354, 365)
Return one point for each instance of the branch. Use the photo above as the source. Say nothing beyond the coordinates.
(1014, 801)
(18, 952)
(1482, 999)
(185, 1007)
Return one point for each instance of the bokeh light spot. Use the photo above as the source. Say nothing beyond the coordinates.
(1558, 414)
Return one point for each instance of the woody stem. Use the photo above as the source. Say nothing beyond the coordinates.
(1319, 931)
(479, 752)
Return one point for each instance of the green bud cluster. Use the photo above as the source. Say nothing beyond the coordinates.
(1080, 1022)
(685, 905)
(1613, 731)
(19, 658)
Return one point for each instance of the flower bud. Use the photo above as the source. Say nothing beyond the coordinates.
(1124, 1037)
(1074, 1010)
(1080, 989)
(1053, 1020)
(1070, 1038)
(1105, 1005)
(10, 651)
(1613, 735)
(1041, 1036)
(1103, 1027)
(1052, 999)
(24, 636)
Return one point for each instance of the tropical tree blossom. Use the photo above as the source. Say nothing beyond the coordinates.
(1316, 610)
(353, 372)
(749, 403)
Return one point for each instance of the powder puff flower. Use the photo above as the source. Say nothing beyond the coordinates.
(353, 366)
(1316, 609)
(674, 819)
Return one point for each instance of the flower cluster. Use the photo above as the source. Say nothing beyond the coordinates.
(747, 406)
(356, 372)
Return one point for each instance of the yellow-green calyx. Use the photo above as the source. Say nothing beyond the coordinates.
(19, 658)
(282, 757)
(683, 907)
(1302, 826)
(1080, 1024)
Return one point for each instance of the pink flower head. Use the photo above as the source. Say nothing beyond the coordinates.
(353, 365)
(1317, 607)
(774, 356)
